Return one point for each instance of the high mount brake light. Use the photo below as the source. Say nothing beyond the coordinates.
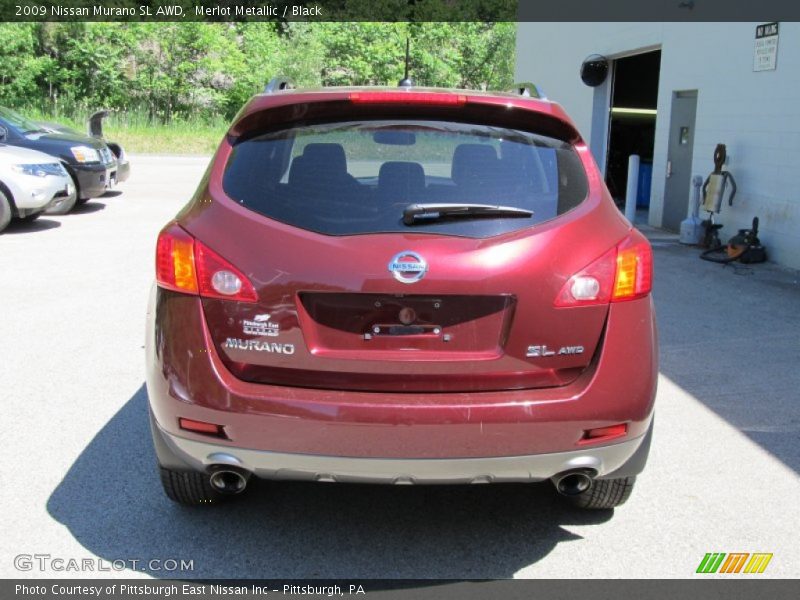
(429, 98)
(184, 264)
(623, 273)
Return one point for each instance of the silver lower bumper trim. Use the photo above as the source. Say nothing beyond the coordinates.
(277, 465)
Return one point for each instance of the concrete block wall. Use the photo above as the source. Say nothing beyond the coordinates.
(756, 114)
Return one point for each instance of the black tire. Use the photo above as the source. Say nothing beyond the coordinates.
(81, 201)
(605, 493)
(62, 205)
(5, 211)
(188, 487)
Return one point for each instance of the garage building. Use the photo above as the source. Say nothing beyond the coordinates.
(673, 92)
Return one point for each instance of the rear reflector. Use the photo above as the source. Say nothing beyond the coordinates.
(603, 434)
(202, 427)
(429, 98)
(184, 264)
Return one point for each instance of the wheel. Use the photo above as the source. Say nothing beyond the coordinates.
(5, 211)
(188, 487)
(605, 493)
(81, 201)
(62, 205)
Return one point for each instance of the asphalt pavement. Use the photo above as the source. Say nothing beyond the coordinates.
(79, 479)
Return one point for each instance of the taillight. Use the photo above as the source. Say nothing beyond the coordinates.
(623, 273)
(184, 264)
(217, 278)
(634, 270)
(429, 98)
(175, 260)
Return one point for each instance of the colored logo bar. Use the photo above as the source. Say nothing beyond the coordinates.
(734, 562)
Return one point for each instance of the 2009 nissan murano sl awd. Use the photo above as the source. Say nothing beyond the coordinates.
(402, 285)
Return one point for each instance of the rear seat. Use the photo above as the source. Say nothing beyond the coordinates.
(401, 183)
(319, 180)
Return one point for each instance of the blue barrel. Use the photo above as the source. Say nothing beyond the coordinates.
(645, 179)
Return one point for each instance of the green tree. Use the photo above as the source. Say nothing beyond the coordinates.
(20, 63)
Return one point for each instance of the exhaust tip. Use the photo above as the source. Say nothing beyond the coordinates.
(573, 483)
(228, 481)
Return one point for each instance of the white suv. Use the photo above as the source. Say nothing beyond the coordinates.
(30, 183)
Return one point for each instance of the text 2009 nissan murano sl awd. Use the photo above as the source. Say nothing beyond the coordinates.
(402, 286)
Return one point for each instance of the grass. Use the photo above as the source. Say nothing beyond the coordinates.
(175, 138)
(137, 136)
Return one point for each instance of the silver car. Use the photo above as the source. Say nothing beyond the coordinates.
(30, 183)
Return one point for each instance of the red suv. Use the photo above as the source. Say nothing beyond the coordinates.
(402, 285)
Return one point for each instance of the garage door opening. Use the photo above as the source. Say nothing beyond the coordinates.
(632, 125)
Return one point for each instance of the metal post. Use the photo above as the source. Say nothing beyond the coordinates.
(633, 187)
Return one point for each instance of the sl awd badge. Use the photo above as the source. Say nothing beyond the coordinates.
(541, 351)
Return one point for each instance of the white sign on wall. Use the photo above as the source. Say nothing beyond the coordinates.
(766, 49)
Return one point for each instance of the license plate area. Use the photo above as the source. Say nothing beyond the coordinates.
(345, 324)
(405, 330)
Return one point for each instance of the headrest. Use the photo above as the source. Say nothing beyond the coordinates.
(329, 157)
(473, 163)
(401, 176)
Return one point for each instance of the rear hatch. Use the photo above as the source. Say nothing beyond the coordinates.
(414, 253)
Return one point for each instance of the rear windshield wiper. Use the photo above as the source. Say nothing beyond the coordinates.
(421, 213)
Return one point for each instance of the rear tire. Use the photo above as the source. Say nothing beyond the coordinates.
(605, 493)
(5, 211)
(188, 487)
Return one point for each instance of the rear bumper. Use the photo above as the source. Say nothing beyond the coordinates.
(200, 456)
(186, 378)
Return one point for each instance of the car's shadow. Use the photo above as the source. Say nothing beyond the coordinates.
(40, 224)
(112, 502)
(111, 194)
(91, 206)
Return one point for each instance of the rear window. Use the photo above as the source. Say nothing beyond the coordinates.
(356, 177)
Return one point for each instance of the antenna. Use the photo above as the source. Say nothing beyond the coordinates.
(405, 81)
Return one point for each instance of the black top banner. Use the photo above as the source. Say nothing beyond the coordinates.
(399, 10)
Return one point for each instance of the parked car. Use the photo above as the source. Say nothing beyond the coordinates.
(31, 182)
(89, 161)
(405, 286)
(95, 130)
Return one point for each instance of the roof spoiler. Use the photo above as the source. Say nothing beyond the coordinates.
(529, 90)
(277, 84)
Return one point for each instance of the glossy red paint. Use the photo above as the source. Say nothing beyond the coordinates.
(185, 376)
(339, 394)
